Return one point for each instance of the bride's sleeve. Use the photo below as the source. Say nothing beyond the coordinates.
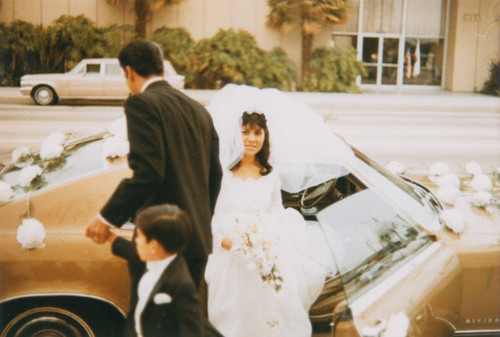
(217, 233)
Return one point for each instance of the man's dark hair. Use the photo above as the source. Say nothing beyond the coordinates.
(144, 56)
(166, 223)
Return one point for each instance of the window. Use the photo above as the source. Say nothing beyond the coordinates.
(423, 61)
(93, 68)
(85, 158)
(113, 69)
(382, 16)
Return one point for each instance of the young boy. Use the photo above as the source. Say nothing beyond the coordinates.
(164, 301)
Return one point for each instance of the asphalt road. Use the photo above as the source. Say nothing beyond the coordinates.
(415, 129)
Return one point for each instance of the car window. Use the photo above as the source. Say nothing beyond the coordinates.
(93, 68)
(113, 69)
(83, 159)
(363, 224)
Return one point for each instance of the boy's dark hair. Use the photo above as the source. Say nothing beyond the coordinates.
(144, 56)
(166, 223)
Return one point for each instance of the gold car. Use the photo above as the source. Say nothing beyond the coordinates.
(90, 79)
(379, 236)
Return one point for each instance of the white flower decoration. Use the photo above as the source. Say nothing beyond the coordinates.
(50, 150)
(27, 175)
(438, 169)
(481, 182)
(5, 192)
(447, 194)
(473, 168)
(52, 146)
(118, 128)
(453, 220)
(115, 147)
(450, 180)
(397, 326)
(162, 298)
(20, 153)
(55, 138)
(481, 199)
(395, 167)
(31, 234)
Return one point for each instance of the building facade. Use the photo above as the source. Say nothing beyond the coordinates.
(433, 44)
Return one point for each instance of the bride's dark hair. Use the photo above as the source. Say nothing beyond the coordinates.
(259, 119)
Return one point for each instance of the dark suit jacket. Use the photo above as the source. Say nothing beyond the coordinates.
(182, 316)
(174, 155)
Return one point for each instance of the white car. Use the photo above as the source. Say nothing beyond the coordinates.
(90, 79)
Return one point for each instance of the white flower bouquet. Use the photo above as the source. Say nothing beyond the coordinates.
(260, 248)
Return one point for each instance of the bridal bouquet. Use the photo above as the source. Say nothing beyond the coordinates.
(260, 248)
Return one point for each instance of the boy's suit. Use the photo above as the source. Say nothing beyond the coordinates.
(173, 307)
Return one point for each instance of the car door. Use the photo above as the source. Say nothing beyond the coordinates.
(87, 83)
(114, 83)
(380, 259)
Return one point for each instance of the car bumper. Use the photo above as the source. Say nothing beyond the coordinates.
(26, 90)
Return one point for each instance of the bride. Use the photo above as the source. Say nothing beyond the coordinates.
(261, 276)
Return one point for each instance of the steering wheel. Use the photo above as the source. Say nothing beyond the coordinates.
(316, 193)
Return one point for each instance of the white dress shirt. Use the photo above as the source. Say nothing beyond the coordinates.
(146, 284)
(150, 81)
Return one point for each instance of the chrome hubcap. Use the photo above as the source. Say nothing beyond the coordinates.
(44, 95)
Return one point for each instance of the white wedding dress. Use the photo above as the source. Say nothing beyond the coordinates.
(240, 303)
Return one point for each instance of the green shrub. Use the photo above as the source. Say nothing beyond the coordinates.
(334, 70)
(228, 57)
(492, 85)
(77, 38)
(278, 71)
(115, 38)
(234, 57)
(6, 75)
(176, 44)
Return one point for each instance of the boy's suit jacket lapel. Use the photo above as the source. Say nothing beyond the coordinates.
(163, 280)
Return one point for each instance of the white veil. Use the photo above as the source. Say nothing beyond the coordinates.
(303, 148)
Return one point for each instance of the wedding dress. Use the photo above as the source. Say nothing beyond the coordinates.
(240, 302)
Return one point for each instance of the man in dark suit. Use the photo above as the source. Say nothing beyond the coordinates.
(174, 155)
(166, 301)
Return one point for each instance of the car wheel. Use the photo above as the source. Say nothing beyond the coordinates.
(47, 322)
(44, 95)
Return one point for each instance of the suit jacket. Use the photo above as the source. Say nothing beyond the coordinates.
(174, 156)
(182, 316)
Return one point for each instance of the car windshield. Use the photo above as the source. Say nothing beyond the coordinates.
(363, 223)
(84, 157)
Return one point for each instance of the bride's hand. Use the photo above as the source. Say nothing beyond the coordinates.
(226, 243)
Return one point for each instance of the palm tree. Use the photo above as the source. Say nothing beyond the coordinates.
(143, 10)
(312, 15)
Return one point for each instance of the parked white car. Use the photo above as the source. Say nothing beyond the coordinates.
(89, 79)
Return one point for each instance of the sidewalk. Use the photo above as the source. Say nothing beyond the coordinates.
(423, 100)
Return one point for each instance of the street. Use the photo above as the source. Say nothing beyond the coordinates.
(414, 129)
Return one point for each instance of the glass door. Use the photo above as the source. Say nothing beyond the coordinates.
(380, 56)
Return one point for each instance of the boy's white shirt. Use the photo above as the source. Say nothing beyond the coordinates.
(146, 284)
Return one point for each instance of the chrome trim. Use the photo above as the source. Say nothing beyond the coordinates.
(64, 294)
(445, 321)
(371, 296)
(468, 332)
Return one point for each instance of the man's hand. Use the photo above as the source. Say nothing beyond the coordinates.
(97, 230)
